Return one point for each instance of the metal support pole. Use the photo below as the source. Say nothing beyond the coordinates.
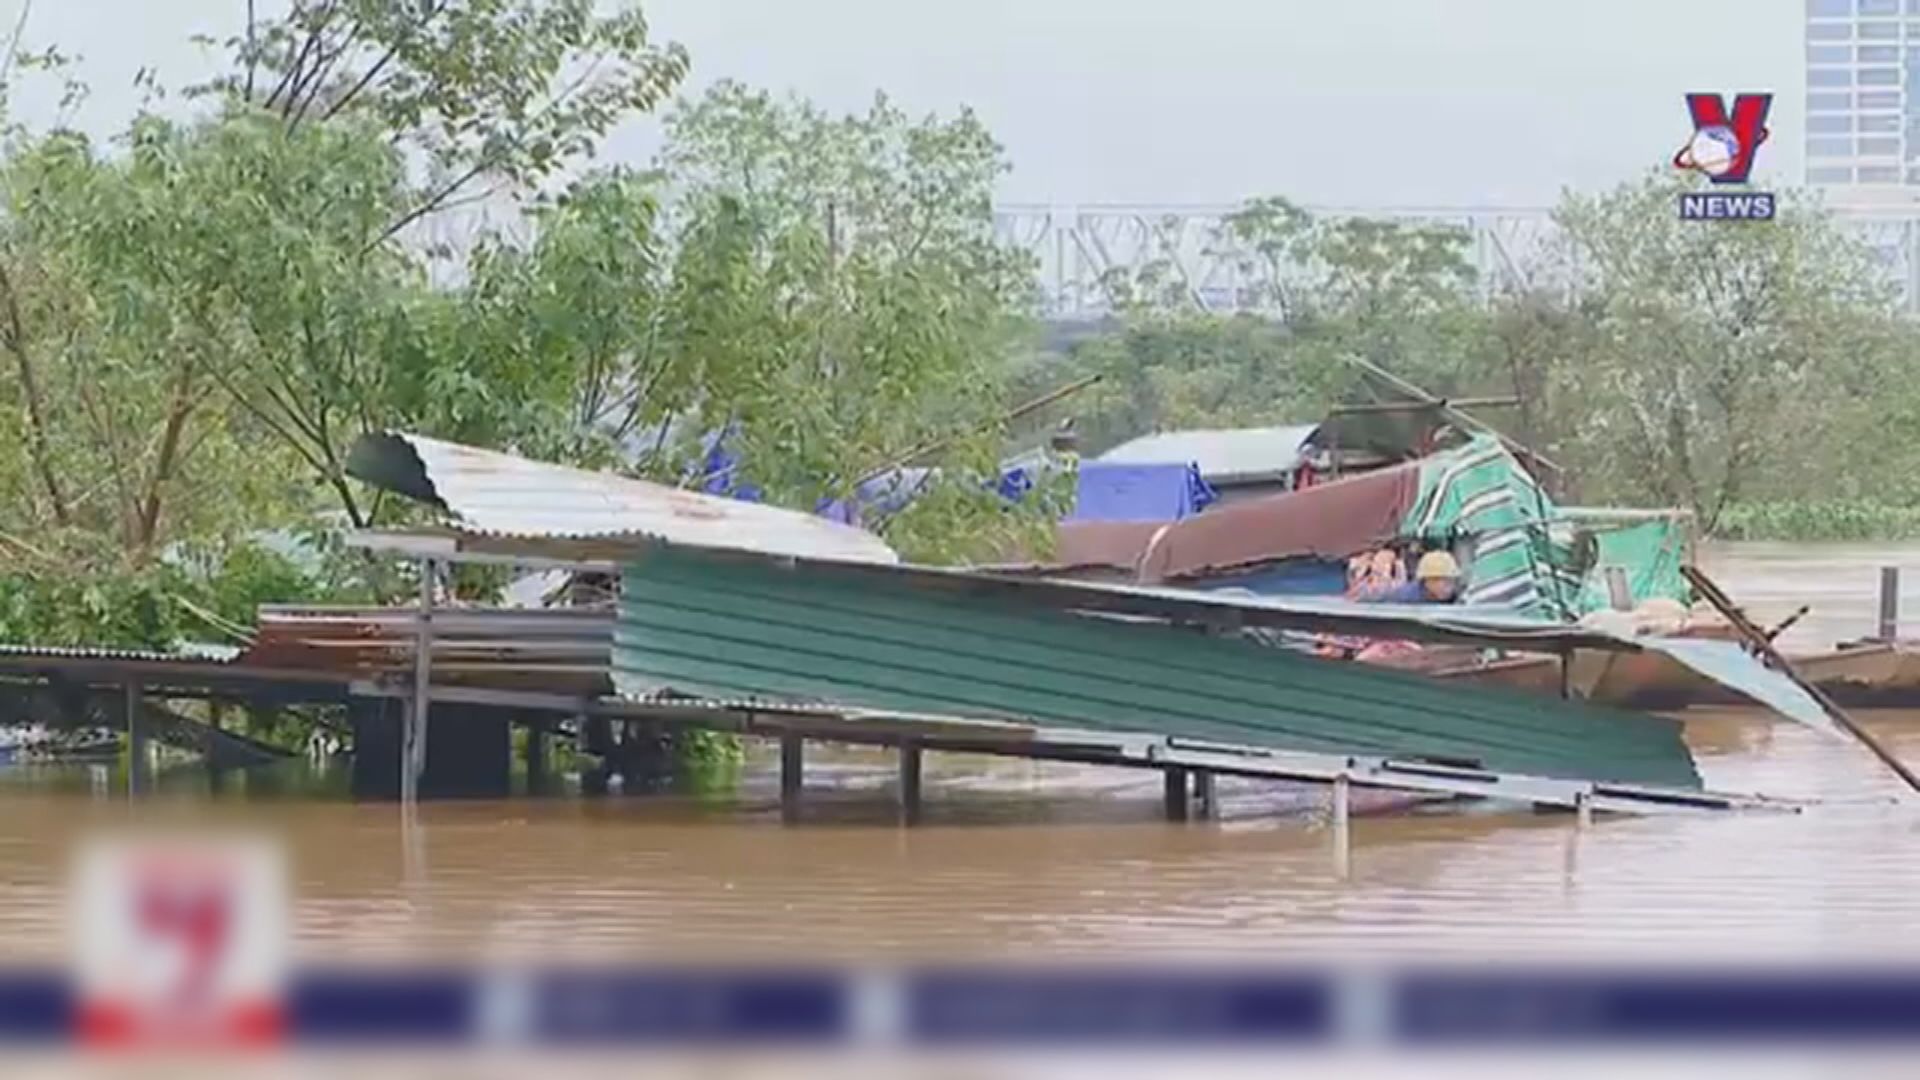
(1341, 796)
(1619, 592)
(1889, 603)
(792, 769)
(1205, 802)
(136, 741)
(1175, 795)
(413, 739)
(910, 754)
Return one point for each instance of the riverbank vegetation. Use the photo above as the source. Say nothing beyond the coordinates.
(1758, 374)
(200, 315)
(389, 215)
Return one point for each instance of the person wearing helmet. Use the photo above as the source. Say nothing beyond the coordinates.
(1436, 580)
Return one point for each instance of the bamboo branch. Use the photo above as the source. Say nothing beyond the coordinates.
(924, 449)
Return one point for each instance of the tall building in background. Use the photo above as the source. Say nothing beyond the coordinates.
(1863, 97)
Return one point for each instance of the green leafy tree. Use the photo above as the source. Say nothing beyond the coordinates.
(411, 109)
(825, 290)
(1717, 364)
(1399, 295)
(484, 93)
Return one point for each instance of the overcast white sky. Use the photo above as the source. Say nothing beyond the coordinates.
(1331, 102)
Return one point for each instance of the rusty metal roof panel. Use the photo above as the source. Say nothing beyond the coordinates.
(503, 495)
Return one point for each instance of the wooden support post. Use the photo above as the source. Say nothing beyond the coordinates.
(910, 755)
(1566, 673)
(1206, 803)
(1889, 603)
(136, 741)
(1341, 813)
(413, 737)
(1175, 795)
(1619, 592)
(792, 769)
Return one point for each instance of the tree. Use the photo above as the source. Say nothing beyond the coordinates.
(118, 348)
(1714, 360)
(1400, 295)
(419, 104)
(487, 92)
(838, 299)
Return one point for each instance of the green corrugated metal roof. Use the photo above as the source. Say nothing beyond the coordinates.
(747, 628)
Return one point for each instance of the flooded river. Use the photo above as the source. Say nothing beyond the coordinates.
(1027, 860)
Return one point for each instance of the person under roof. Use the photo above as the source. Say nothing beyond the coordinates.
(1436, 580)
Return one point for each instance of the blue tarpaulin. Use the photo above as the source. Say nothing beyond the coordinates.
(718, 473)
(1153, 492)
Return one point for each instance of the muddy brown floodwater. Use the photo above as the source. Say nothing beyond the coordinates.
(1037, 860)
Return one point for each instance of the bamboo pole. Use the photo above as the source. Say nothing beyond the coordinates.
(926, 448)
(1764, 647)
(1422, 397)
(1417, 406)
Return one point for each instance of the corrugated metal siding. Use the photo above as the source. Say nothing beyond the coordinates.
(1222, 455)
(502, 495)
(739, 628)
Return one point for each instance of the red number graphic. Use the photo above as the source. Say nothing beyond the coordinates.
(196, 912)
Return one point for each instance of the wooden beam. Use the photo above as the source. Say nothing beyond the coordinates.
(413, 737)
(1764, 647)
(910, 764)
(1205, 800)
(1419, 406)
(1174, 797)
(793, 749)
(1889, 603)
(137, 750)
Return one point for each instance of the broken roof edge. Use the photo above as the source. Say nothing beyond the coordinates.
(1740, 673)
(1724, 663)
(388, 460)
(489, 493)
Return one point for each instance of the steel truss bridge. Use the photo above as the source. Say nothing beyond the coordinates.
(1079, 248)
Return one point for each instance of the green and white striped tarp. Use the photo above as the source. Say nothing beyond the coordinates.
(1479, 502)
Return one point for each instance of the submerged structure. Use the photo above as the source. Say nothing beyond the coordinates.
(1520, 551)
(744, 617)
(735, 627)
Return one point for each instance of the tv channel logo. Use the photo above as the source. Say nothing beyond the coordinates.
(180, 940)
(1722, 149)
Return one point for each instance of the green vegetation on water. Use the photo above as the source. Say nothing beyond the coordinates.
(1820, 521)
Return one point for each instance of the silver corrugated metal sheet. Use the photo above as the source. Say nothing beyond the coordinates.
(500, 494)
(204, 654)
(1224, 456)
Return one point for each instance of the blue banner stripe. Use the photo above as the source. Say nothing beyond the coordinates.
(689, 1007)
(1084, 1007)
(1100, 1007)
(383, 1006)
(35, 1006)
(1550, 1007)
